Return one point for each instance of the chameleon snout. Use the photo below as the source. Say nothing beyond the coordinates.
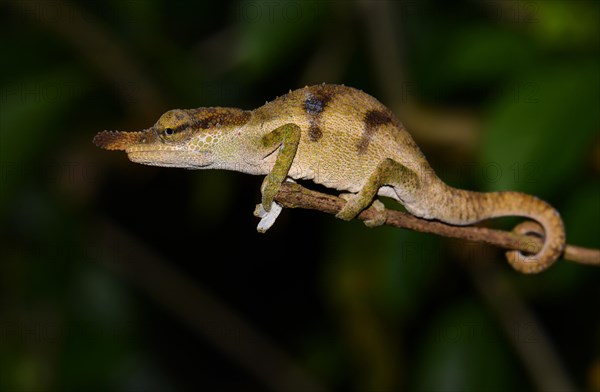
(118, 140)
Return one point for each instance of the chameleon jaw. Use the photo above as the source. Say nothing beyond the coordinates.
(167, 157)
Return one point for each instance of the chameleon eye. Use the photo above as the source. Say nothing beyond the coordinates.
(169, 131)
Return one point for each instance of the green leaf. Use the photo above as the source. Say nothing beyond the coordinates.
(565, 23)
(479, 55)
(541, 126)
(271, 31)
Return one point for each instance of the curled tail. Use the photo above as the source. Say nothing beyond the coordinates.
(468, 207)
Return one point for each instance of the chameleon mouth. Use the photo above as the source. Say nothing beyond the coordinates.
(166, 157)
(152, 148)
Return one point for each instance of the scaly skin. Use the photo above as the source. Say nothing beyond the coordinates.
(341, 138)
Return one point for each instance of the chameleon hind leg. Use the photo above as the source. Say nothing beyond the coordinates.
(388, 172)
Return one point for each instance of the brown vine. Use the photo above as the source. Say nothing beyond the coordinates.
(296, 196)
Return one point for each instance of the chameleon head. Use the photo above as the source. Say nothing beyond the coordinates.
(180, 138)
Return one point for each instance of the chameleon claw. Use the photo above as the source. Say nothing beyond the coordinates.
(267, 219)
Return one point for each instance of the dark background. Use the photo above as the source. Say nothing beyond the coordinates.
(134, 278)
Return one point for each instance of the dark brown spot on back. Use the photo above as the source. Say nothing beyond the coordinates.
(314, 105)
(314, 133)
(373, 120)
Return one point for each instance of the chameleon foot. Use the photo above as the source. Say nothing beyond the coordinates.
(351, 209)
(267, 218)
(380, 218)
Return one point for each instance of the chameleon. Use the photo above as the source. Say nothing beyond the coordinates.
(344, 139)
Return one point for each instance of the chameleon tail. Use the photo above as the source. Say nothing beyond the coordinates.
(473, 207)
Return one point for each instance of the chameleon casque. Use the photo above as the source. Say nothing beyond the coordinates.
(339, 137)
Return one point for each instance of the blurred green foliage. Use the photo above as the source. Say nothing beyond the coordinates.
(358, 309)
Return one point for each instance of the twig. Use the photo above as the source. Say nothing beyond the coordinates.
(295, 196)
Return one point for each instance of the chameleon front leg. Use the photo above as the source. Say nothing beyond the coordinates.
(287, 138)
(388, 172)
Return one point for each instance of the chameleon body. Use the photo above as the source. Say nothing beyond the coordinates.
(339, 137)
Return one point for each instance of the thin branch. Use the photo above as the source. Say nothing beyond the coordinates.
(295, 196)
